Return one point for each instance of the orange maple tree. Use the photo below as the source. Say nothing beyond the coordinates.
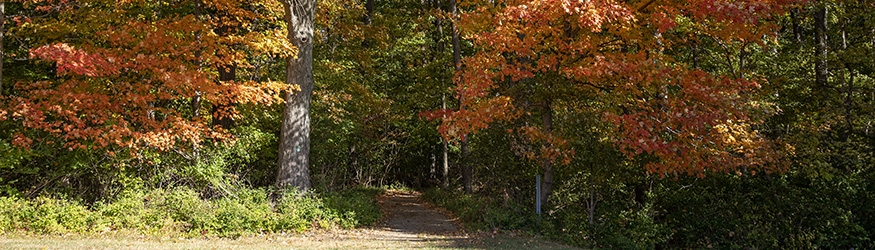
(128, 77)
(687, 120)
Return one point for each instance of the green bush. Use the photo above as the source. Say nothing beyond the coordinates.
(481, 213)
(47, 216)
(355, 206)
(12, 214)
(182, 212)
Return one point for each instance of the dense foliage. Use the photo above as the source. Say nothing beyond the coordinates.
(182, 212)
(654, 124)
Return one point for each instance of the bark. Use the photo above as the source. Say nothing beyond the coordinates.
(2, 34)
(196, 99)
(294, 151)
(221, 115)
(467, 175)
(797, 30)
(820, 38)
(547, 164)
(369, 17)
(369, 6)
(446, 162)
(457, 47)
(227, 72)
(849, 89)
(591, 202)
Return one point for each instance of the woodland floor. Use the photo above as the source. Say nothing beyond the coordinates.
(409, 223)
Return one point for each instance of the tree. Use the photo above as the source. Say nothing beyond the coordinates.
(124, 83)
(294, 152)
(821, 78)
(683, 120)
(2, 32)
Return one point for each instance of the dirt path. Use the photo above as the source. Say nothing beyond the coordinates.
(408, 216)
(408, 221)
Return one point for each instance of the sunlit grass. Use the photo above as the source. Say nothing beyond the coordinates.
(331, 240)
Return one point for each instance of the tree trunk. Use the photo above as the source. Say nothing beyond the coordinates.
(467, 175)
(820, 38)
(591, 202)
(445, 165)
(446, 162)
(369, 7)
(294, 151)
(547, 164)
(221, 112)
(369, 18)
(227, 72)
(198, 95)
(2, 34)
(797, 30)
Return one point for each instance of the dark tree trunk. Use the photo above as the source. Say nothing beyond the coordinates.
(797, 30)
(369, 7)
(227, 72)
(221, 112)
(196, 99)
(2, 34)
(445, 165)
(294, 152)
(547, 164)
(369, 18)
(820, 38)
(467, 175)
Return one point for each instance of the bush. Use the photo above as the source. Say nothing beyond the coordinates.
(182, 212)
(355, 206)
(483, 214)
(46, 216)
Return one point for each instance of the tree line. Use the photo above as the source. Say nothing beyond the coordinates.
(636, 113)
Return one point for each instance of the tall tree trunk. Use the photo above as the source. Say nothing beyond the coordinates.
(797, 30)
(369, 7)
(820, 38)
(369, 18)
(547, 164)
(848, 87)
(2, 35)
(196, 99)
(467, 175)
(445, 165)
(221, 112)
(227, 72)
(294, 152)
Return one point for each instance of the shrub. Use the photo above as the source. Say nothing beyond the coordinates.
(355, 207)
(13, 213)
(181, 211)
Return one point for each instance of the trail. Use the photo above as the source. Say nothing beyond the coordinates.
(408, 222)
(409, 217)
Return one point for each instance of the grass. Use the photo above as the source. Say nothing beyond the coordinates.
(331, 240)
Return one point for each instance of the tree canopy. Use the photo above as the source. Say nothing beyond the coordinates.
(652, 124)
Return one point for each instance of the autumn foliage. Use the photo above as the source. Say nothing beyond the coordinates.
(138, 82)
(685, 120)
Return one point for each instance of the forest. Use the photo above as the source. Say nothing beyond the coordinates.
(648, 124)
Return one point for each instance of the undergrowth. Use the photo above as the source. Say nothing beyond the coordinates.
(182, 212)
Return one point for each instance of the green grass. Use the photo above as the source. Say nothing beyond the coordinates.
(326, 241)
